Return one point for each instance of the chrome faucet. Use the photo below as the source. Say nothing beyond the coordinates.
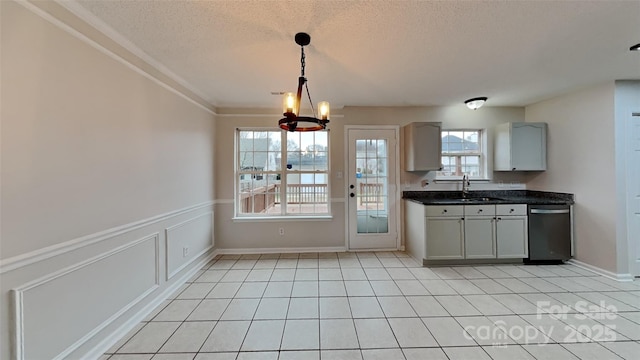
(465, 185)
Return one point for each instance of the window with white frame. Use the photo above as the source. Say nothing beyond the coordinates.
(281, 173)
(462, 153)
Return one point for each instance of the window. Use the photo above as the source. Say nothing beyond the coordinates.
(281, 173)
(462, 153)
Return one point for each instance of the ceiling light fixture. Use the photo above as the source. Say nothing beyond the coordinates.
(291, 102)
(635, 47)
(475, 103)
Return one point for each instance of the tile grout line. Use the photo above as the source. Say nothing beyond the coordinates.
(577, 291)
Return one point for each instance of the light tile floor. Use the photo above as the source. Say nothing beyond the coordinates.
(384, 305)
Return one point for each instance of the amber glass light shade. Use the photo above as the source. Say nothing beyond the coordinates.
(324, 110)
(289, 104)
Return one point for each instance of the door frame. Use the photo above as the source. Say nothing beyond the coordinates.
(632, 225)
(397, 194)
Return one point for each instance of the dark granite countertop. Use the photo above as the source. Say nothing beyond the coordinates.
(529, 197)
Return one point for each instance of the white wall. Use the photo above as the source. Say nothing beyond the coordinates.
(232, 234)
(106, 175)
(581, 160)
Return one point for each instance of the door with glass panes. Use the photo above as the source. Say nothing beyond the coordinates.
(372, 218)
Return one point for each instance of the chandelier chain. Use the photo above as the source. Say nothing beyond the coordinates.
(302, 61)
(313, 110)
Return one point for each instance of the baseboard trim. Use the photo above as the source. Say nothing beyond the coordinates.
(601, 271)
(134, 320)
(170, 274)
(173, 273)
(280, 250)
(32, 257)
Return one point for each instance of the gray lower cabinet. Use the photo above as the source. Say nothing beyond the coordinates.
(445, 238)
(458, 232)
(511, 231)
(479, 232)
(444, 228)
(415, 237)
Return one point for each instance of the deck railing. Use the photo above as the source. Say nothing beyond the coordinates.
(370, 193)
(262, 198)
(305, 193)
(258, 200)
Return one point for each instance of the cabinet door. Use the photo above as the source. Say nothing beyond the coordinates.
(479, 237)
(528, 146)
(422, 146)
(511, 237)
(445, 238)
(502, 148)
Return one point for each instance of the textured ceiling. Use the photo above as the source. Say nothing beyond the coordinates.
(383, 53)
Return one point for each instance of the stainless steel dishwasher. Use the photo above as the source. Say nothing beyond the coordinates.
(549, 234)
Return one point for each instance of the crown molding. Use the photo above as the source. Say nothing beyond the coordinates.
(71, 17)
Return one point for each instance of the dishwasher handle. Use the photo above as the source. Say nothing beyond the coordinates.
(547, 211)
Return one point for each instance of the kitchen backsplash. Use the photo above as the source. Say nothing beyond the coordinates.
(426, 182)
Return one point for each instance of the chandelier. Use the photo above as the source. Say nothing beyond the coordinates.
(291, 102)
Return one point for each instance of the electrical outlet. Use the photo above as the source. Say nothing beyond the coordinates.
(281, 231)
(185, 251)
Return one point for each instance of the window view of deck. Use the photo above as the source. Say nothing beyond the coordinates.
(277, 179)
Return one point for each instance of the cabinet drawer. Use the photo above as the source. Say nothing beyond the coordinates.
(506, 210)
(479, 210)
(444, 210)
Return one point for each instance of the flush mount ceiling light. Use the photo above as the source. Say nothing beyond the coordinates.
(475, 103)
(635, 47)
(291, 102)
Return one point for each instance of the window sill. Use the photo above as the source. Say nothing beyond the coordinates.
(282, 218)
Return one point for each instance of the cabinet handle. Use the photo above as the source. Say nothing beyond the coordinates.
(479, 211)
(512, 210)
(499, 219)
(514, 169)
(444, 211)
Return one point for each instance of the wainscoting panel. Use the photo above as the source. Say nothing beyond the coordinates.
(75, 300)
(57, 313)
(188, 240)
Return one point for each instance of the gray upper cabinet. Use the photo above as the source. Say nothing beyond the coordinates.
(422, 146)
(520, 146)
